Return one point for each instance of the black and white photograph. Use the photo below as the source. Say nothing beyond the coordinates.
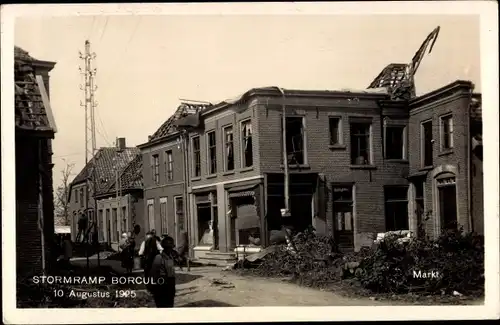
(180, 156)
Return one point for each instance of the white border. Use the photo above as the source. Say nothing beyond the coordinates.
(489, 75)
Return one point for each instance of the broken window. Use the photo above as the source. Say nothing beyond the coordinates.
(155, 166)
(396, 208)
(360, 143)
(446, 132)
(170, 165)
(394, 142)
(212, 152)
(426, 139)
(179, 212)
(229, 148)
(246, 138)
(295, 140)
(334, 126)
(196, 157)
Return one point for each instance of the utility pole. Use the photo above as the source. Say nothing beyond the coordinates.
(89, 105)
(118, 187)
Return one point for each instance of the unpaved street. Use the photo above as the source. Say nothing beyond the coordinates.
(197, 289)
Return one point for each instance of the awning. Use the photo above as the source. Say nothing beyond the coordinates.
(241, 194)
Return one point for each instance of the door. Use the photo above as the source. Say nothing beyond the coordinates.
(344, 225)
(448, 206)
(215, 227)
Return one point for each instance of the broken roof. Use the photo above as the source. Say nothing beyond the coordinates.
(107, 160)
(32, 105)
(169, 127)
(394, 78)
(131, 176)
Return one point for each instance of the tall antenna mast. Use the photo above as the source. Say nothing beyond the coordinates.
(89, 105)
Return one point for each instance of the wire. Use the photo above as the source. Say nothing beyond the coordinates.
(104, 28)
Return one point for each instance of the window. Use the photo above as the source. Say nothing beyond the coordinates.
(101, 225)
(419, 206)
(396, 208)
(179, 212)
(151, 214)
(446, 132)
(295, 140)
(426, 138)
(335, 133)
(163, 215)
(394, 142)
(81, 198)
(169, 161)
(196, 157)
(155, 168)
(125, 226)
(212, 152)
(76, 196)
(246, 144)
(360, 143)
(228, 149)
(114, 225)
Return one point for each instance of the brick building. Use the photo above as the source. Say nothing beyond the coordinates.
(116, 216)
(109, 162)
(358, 163)
(164, 174)
(34, 130)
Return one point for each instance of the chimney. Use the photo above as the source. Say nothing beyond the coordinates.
(120, 143)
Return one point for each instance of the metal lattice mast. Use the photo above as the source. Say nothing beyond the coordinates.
(89, 105)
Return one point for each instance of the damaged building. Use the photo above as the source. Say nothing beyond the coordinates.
(353, 163)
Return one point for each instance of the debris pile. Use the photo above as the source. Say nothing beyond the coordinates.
(454, 262)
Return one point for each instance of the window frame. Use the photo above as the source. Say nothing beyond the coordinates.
(394, 201)
(150, 203)
(155, 168)
(404, 139)
(177, 213)
(340, 138)
(164, 217)
(305, 160)
(423, 144)
(369, 134)
(169, 165)
(211, 161)
(225, 144)
(196, 162)
(243, 137)
(443, 134)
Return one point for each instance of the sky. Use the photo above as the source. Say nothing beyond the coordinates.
(145, 64)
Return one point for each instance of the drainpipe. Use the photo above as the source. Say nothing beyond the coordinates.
(41, 225)
(469, 163)
(185, 139)
(286, 212)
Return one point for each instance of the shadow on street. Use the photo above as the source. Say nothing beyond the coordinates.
(183, 278)
(206, 303)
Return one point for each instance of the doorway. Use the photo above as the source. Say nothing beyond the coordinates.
(205, 233)
(343, 217)
(448, 206)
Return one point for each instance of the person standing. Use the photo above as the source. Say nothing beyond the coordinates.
(162, 271)
(127, 253)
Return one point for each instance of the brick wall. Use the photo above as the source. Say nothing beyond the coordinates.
(335, 163)
(454, 100)
(28, 236)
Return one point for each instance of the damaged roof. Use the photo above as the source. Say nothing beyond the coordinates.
(394, 78)
(131, 176)
(169, 127)
(32, 105)
(107, 160)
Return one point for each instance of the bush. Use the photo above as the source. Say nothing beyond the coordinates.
(457, 259)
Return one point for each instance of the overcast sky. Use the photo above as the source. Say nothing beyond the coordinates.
(146, 63)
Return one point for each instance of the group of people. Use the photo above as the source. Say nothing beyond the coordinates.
(158, 258)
